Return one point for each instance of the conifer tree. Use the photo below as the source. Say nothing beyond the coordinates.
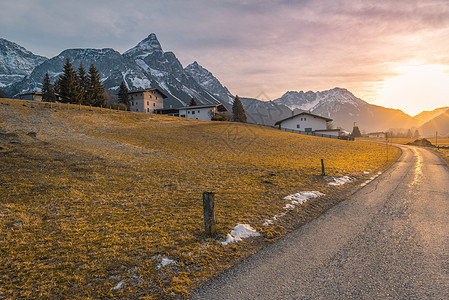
(409, 134)
(2, 94)
(123, 94)
(238, 111)
(48, 91)
(95, 90)
(416, 134)
(83, 84)
(193, 102)
(68, 85)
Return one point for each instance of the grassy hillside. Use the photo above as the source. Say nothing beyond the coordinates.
(93, 203)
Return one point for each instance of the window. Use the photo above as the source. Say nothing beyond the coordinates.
(182, 116)
(148, 102)
(137, 109)
(188, 111)
(308, 129)
(297, 126)
(193, 112)
(198, 111)
(148, 110)
(305, 119)
(154, 104)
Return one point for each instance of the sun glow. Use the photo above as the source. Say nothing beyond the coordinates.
(416, 89)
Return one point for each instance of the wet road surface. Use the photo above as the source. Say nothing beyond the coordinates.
(390, 240)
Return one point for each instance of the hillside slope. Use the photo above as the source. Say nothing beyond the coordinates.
(107, 204)
(438, 124)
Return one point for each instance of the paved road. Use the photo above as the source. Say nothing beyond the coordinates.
(390, 240)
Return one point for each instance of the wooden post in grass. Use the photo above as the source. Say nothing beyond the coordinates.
(209, 214)
(322, 168)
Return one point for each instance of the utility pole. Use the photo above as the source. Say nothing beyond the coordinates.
(436, 138)
(386, 137)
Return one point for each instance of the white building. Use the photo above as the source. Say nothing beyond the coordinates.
(305, 122)
(201, 112)
(377, 135)
(146, 100)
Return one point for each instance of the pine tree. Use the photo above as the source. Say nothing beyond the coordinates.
(2, 94)
(68, 85)
(409, 133)
(238, 111)
(95, 90)
(123, 94)
(48, 91)
(416, 134)
(83, 84)
(193, 102)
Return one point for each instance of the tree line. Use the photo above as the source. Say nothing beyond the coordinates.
(75, 87)
(86, 88)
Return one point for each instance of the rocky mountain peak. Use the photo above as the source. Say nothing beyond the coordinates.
(208, 81)
(147, 46)
(16, 62)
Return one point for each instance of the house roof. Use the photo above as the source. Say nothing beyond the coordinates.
(149, 90)
(220, 107)
(303, 113)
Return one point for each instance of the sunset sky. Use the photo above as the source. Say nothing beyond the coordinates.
(392, 53)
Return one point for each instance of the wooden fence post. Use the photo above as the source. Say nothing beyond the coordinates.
(209, 214)
(322, 168)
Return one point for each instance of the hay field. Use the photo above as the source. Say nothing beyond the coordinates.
(107, 204)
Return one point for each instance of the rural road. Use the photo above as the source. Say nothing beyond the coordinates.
(390, 240)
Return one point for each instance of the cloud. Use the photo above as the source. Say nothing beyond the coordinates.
(251, 46)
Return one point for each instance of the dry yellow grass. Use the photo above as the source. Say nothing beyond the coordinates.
(92, 203)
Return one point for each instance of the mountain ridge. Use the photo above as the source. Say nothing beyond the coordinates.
(147, 65)
(16, 62)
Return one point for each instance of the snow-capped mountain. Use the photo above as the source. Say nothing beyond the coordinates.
(325, 102)
(16, 62)
(209, 82)
(144, 66)
(345, 108)
(110, 64)
(167, 73)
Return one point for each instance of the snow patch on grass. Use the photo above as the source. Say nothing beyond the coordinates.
(295, 199)
(340, 181)
(165, 261)
(241, 231)
(300, 198)
(119, 285)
